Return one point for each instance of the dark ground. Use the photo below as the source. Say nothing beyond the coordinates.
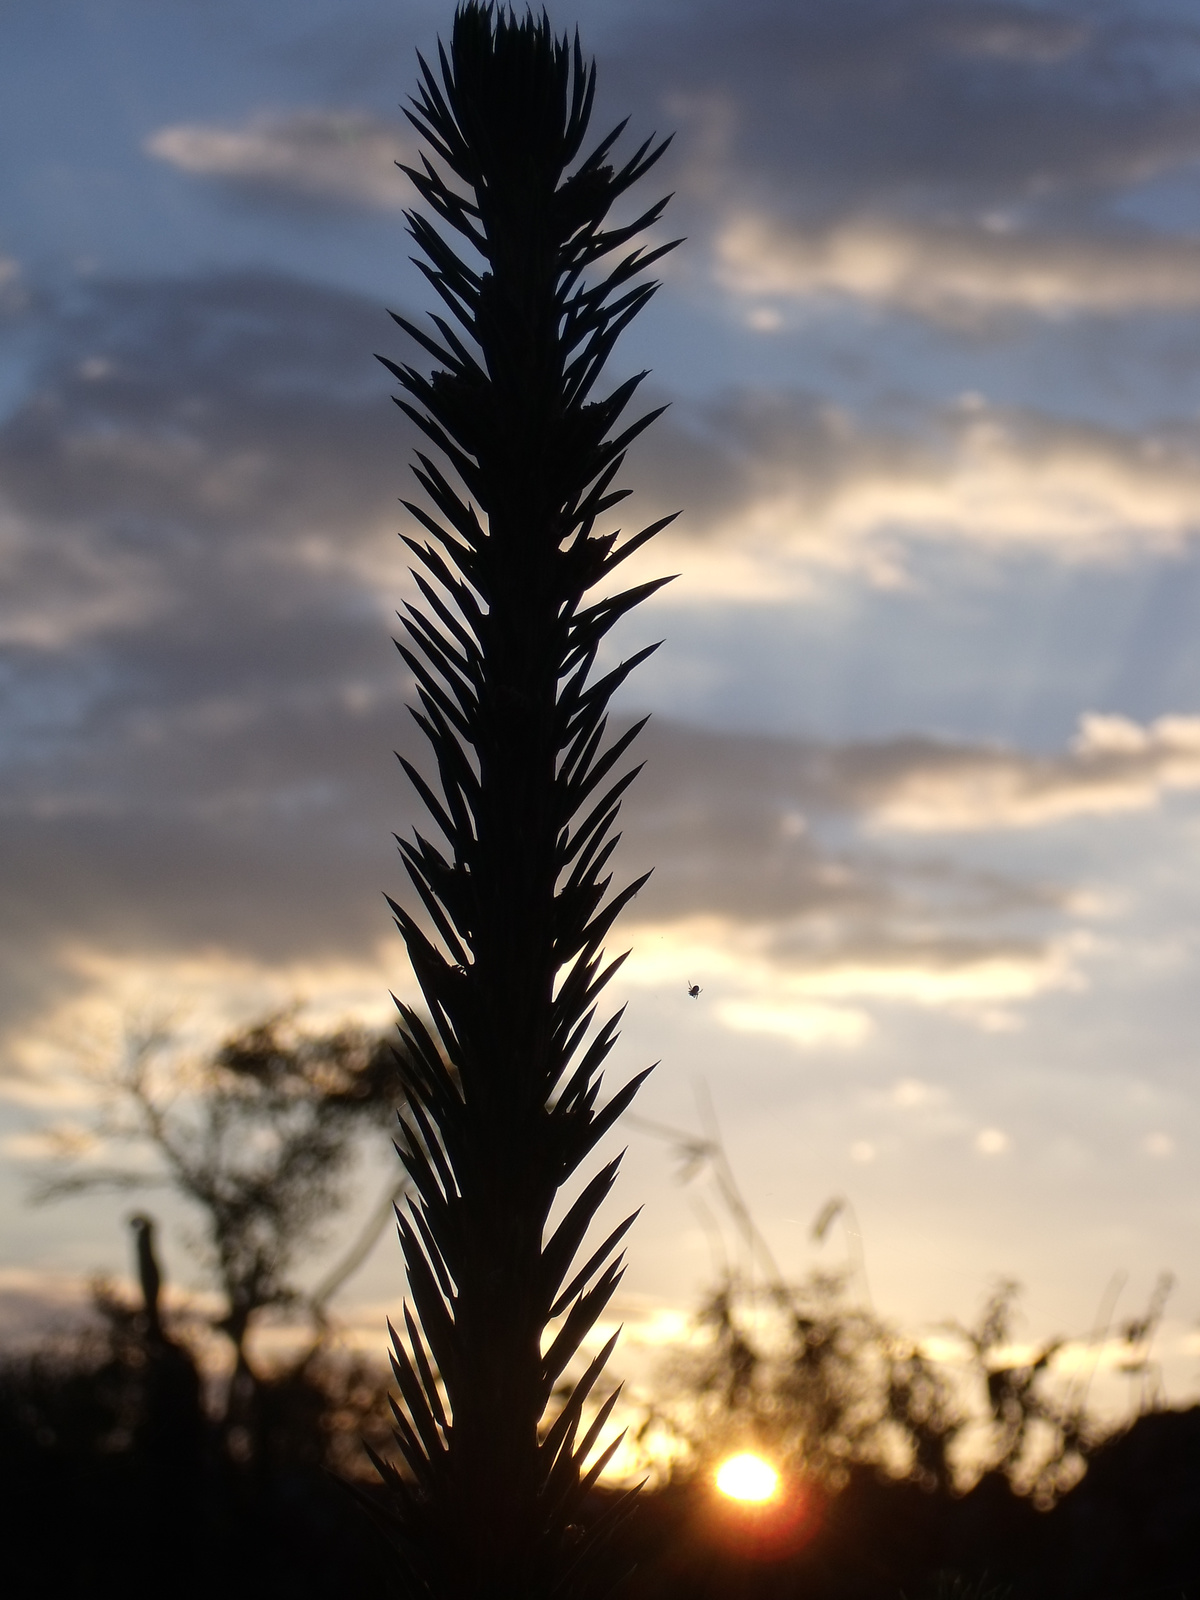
(160, 1511)
(1130, 1529)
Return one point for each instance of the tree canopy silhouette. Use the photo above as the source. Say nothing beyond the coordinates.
(259, 1136)
(502, 1089)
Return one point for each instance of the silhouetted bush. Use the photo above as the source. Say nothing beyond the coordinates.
(259, 1137)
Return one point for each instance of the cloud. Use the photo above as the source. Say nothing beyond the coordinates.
(311, 157)
(787, 488)
(954, 160)
(199, 551)
(805, 1024)
(816, 992)
(199, 992)
(200, 793)
(962, 100)
(179, 436)
(794, 938)
(961, 273)
(243, 415)
(750, 798)
(221, 856)
(1114, 765)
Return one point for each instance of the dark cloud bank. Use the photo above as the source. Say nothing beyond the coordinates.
(200, 541)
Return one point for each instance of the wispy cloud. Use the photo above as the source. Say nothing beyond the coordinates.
(962, 273)
(794, 938)
(1114, 765)
(817, 984)
(338, 158)
(785, 488)
(741, 793)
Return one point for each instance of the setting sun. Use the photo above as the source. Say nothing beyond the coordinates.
(748, 1477)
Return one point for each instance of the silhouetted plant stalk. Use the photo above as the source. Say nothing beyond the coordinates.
(502, 1090)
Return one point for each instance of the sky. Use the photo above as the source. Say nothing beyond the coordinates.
(922, 791)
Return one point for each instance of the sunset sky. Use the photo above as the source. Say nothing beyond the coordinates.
(922, 790)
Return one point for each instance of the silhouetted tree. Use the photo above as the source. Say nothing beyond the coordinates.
(501, 1113)
(259, 1137)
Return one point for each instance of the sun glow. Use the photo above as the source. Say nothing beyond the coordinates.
(748, 1477)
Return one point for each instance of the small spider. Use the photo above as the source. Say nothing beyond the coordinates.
(693, 989)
